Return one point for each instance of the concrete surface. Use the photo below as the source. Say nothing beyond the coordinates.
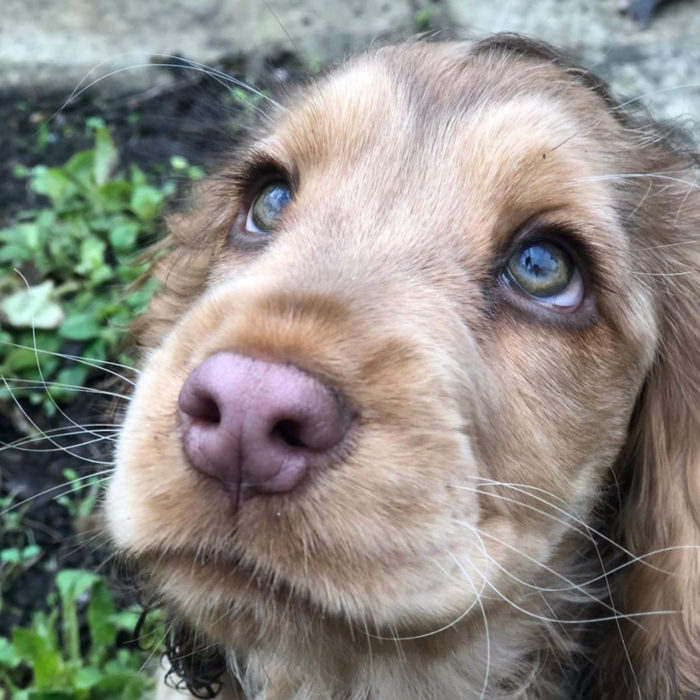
(656, 62)
(54, 44)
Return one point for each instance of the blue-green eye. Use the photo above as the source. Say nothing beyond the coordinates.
(546, 273)
(267, 208)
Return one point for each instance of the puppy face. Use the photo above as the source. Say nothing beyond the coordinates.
(451, 252)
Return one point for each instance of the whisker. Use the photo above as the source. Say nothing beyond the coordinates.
(636, 176)
(589, 529)
(49, 437)
(432, 633)
(89, 361)
(575, 621)
(653, 93)
(43, 379)
(66, 485)
(222, 78)
(38, 384)
(541, 589)
(487, 634)
(64, 431)
(63, 448)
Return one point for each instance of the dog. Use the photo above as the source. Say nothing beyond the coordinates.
(418, 410)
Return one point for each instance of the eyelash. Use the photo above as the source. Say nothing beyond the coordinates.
(256, 173)
(247, 183)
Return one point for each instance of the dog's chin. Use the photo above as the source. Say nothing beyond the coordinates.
(246, 601)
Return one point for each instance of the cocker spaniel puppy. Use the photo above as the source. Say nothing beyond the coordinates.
(418, 413)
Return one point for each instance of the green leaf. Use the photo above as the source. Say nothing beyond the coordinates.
(15, 255)
(194, 172)
(9, 658)
(11, 555)
(96, 350)
(43, 137)
(75, 376)
(33, 307)
(26, 238)
(40, 652)
(87, 677)
(92, 251)
(124, 683)
(19, 360)
(17, 555)
(72, 583)
(138, 177)
(130, 273)
(178, 163)
(69, 474)
(55, 184)
(72, 377)
(138, 300)
(80, 327)
(93, 123)
(146, 202)
(101, 274)
(106, 155)
(81, 168)
(124, 235)
(115, 196)
(103, 630)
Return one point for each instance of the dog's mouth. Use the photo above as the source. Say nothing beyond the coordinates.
(236, 580)
(235, 566)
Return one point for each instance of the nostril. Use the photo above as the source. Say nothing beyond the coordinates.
(258, 426)
(289, 431)
(200, 404)
(208, 411)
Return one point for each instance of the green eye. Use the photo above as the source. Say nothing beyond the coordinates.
(542, 270)
(267, 208)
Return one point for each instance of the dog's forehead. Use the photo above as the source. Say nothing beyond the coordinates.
(348, 114)
(499, 138)
(440, 104)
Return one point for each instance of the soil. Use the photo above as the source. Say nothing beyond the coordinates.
(190, 115)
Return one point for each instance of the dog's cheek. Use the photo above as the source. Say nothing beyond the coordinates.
(561, 402)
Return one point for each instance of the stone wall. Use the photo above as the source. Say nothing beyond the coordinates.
(54, 44)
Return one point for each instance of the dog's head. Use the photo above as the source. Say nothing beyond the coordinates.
(404, 341)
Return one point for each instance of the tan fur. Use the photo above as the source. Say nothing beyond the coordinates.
(434, 561)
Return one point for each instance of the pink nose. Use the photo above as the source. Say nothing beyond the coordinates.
(258, 426)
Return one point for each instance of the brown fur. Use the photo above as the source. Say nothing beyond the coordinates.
(452, 553)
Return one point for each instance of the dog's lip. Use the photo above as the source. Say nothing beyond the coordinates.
(236, 566)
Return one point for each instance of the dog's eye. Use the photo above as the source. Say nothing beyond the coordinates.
(547, 274)
(266, 210)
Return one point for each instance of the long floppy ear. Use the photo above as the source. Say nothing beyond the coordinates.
(660, 656)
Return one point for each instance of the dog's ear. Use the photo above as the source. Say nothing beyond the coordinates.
(660, 516)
